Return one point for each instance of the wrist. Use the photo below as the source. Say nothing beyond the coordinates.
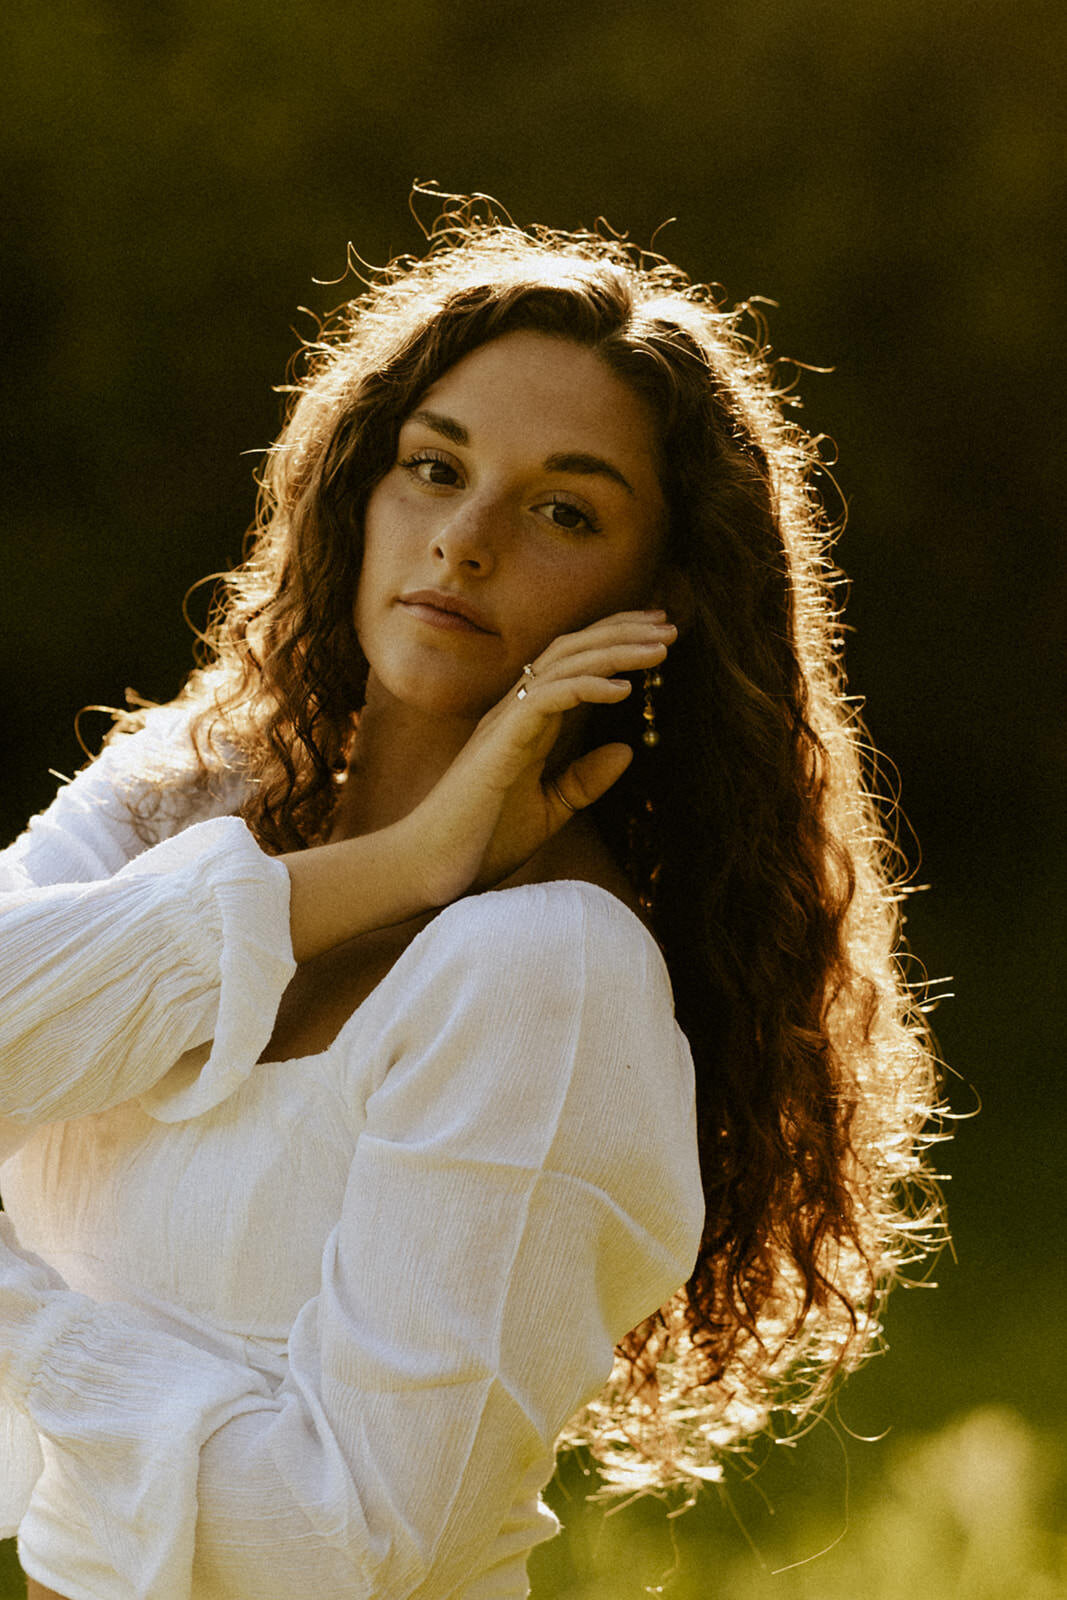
(353, 886)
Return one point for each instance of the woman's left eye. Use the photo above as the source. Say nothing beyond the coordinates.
(574, 519)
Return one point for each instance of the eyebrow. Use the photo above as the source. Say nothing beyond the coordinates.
(579, 462)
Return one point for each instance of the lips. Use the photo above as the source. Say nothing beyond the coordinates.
(450, 605)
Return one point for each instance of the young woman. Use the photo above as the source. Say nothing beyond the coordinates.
(467, 1017)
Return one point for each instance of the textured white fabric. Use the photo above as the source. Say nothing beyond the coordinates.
(312, 1327)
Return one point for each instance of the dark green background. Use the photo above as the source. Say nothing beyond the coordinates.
(177, 175)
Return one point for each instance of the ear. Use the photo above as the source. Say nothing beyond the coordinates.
(674, 592)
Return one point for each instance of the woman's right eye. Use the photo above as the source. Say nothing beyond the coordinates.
(437, 468)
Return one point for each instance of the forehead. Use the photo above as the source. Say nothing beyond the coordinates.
(551, 394)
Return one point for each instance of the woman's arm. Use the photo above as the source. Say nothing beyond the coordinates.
(105, 985)
(37, 1591)
(111, 952)
(524, 1191)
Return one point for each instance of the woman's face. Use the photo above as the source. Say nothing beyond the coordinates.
(525, 488)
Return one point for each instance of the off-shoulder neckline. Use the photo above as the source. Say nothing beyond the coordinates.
(339, 1041)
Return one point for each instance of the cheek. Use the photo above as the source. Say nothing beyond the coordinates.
(396, 526)
(565, 601)
(376, 521)
(372, 576)
(623, 587)
(380, 539)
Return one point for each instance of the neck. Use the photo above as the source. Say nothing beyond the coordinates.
(397, 757)
(399, 753)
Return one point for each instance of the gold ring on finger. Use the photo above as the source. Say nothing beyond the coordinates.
(560, 796)
(528, 674)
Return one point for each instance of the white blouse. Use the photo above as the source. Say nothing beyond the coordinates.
(311, 1326)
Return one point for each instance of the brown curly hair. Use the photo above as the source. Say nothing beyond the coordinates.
(750, 831)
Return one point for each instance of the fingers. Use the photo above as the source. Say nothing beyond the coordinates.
(627, 627)
(625, 656)
(580, 668)
(625, 644)
(586, 779)
(551, 697)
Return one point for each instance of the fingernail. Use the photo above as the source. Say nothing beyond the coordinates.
(656, 613)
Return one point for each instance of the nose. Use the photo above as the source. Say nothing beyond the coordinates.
(468, 538)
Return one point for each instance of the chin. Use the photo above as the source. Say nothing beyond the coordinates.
(442, 698)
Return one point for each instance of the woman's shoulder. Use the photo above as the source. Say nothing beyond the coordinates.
(540, 1009)
(569, 923)
(563, 924)
(562, 954)
(165, 757)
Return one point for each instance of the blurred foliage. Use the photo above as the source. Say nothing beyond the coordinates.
(964, 1513)
(180, 177)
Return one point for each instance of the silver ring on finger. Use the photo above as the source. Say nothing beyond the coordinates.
(528, 674)
(560, 796)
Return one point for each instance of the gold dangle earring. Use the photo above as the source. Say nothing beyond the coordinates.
(643, 864)
(653, 680)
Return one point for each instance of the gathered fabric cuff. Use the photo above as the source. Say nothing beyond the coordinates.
(160, 984)
(249, 906)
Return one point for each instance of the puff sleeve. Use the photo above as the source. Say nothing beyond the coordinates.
(524, 1191)
(116, 960)
(105, 987)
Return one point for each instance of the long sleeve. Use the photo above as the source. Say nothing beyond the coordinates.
(115, 964)
(524, 1191)
(105, 986)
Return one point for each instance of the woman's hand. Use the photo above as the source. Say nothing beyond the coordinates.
(493, 809)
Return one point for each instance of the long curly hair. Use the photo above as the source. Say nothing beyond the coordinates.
(750, 831)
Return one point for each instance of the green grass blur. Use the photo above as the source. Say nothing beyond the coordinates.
(963, 1513)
